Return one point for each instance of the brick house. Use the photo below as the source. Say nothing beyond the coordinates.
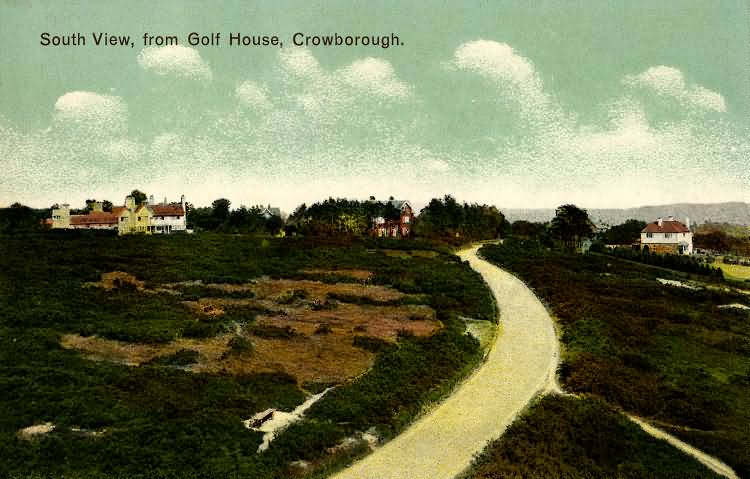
(395, 228)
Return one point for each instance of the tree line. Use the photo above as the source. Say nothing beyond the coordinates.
(442, 219)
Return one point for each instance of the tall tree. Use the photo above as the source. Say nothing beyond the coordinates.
(626, 233)
(139, 196)
(220, 209)
(571, 224)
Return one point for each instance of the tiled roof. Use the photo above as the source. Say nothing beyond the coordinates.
(94, 219)
(167, 210)
(666, 227)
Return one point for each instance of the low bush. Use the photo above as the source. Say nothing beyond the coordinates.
(571, 438)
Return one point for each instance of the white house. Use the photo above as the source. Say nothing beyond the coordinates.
(168, 217)
(667, 236)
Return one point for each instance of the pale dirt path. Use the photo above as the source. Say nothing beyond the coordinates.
(522, 363)
(710, 462)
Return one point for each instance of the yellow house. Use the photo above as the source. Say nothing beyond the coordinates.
(132, 219)
(147, 218)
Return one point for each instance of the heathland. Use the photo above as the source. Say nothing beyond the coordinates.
(142, 356)
(670, 347)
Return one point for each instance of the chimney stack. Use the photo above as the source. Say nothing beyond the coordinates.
(151, 199)
(660, 222)
(687, 222)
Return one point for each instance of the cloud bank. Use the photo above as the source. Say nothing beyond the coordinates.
(304, 131)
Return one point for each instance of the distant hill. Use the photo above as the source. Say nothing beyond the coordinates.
(736, 213)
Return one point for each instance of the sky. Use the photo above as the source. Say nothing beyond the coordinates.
(600, 103)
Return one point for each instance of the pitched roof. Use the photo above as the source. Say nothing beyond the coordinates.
(174, 209)
(400, 203)
(667, 226)
(271, 210)
(117, 210)
(97, 218)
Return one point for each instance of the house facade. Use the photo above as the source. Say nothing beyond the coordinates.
(395, 228)
(667, 236)
(147, 218)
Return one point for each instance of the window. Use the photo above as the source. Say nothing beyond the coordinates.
(649, 235)
(667, 235)
(406, 219)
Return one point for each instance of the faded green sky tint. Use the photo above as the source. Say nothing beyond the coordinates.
(601, 103)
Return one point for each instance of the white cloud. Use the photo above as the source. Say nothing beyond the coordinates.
(500, 63)
(375, 76)
(321, 89)
(670, 82)
(252, 95)
(300, 62)
(437, 165)
(90, 114)
(176, 60)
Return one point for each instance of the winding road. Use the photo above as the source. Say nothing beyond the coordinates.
(521, 364)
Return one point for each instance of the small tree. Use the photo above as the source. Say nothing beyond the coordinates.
(274, 224)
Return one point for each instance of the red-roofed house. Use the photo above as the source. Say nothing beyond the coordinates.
(147, 218)
(168, 217)
(667, 236)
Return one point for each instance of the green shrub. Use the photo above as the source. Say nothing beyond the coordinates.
(183, 357)
(239, 345)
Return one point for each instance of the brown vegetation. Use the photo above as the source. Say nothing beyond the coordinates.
(115, 280)
(358, 274)
(314, 340)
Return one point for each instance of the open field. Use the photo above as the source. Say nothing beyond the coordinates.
(636, 338)
(144, 355)
(734, 271)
